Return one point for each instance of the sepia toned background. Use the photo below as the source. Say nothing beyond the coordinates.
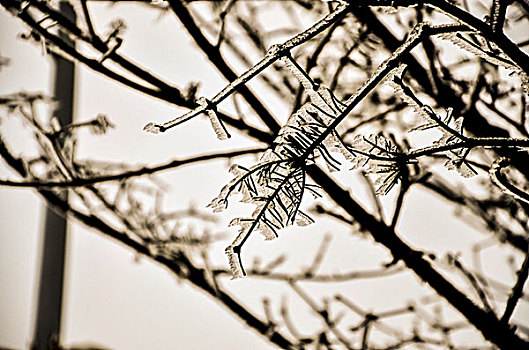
(116, 299)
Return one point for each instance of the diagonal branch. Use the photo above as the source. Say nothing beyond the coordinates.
(89, 62)
(491, 328)
(237, 83)
(461, 16)
(517, 290)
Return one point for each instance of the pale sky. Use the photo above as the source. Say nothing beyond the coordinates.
(115, 302)
(109, 300)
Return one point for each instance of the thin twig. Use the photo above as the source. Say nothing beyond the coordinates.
(320, 278)
(404, 187)
(374, 196)
(318, 259)
(79, 182)
(239, 82)
(473, 281)
(88, 19)
(375, 317)
(324, 314)
(517, 290)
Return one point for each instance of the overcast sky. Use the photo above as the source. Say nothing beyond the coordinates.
(110, 299)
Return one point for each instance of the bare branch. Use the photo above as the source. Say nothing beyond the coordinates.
(79, 182)
(517, 290)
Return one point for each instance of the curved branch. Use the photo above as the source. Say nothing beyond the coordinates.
(500, 179)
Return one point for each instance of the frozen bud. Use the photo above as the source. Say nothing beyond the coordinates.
(154, 128)
(55, 124)
(100, 125)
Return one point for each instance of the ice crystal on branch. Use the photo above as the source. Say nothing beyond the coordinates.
(276, 188)
(153, 128)
(216, 123)
(450, 127)
(379, 157)
(489, 52)
(100, 124)
(458, 163)
(485, 49)
(298, 72)
(277, 183)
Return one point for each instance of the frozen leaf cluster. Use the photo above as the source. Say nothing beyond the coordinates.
(304, 129)
(457, 161)
(308, 132)
(100, 124)
(277, 183)
(378, 156)
(276, 189)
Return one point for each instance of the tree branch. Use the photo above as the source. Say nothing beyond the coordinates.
(77, 182)
(517, 290)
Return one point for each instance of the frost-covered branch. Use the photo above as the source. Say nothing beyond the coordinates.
(80, 181)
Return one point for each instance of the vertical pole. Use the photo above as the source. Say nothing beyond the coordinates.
(49, 307)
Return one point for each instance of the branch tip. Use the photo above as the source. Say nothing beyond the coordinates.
(154, 128)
